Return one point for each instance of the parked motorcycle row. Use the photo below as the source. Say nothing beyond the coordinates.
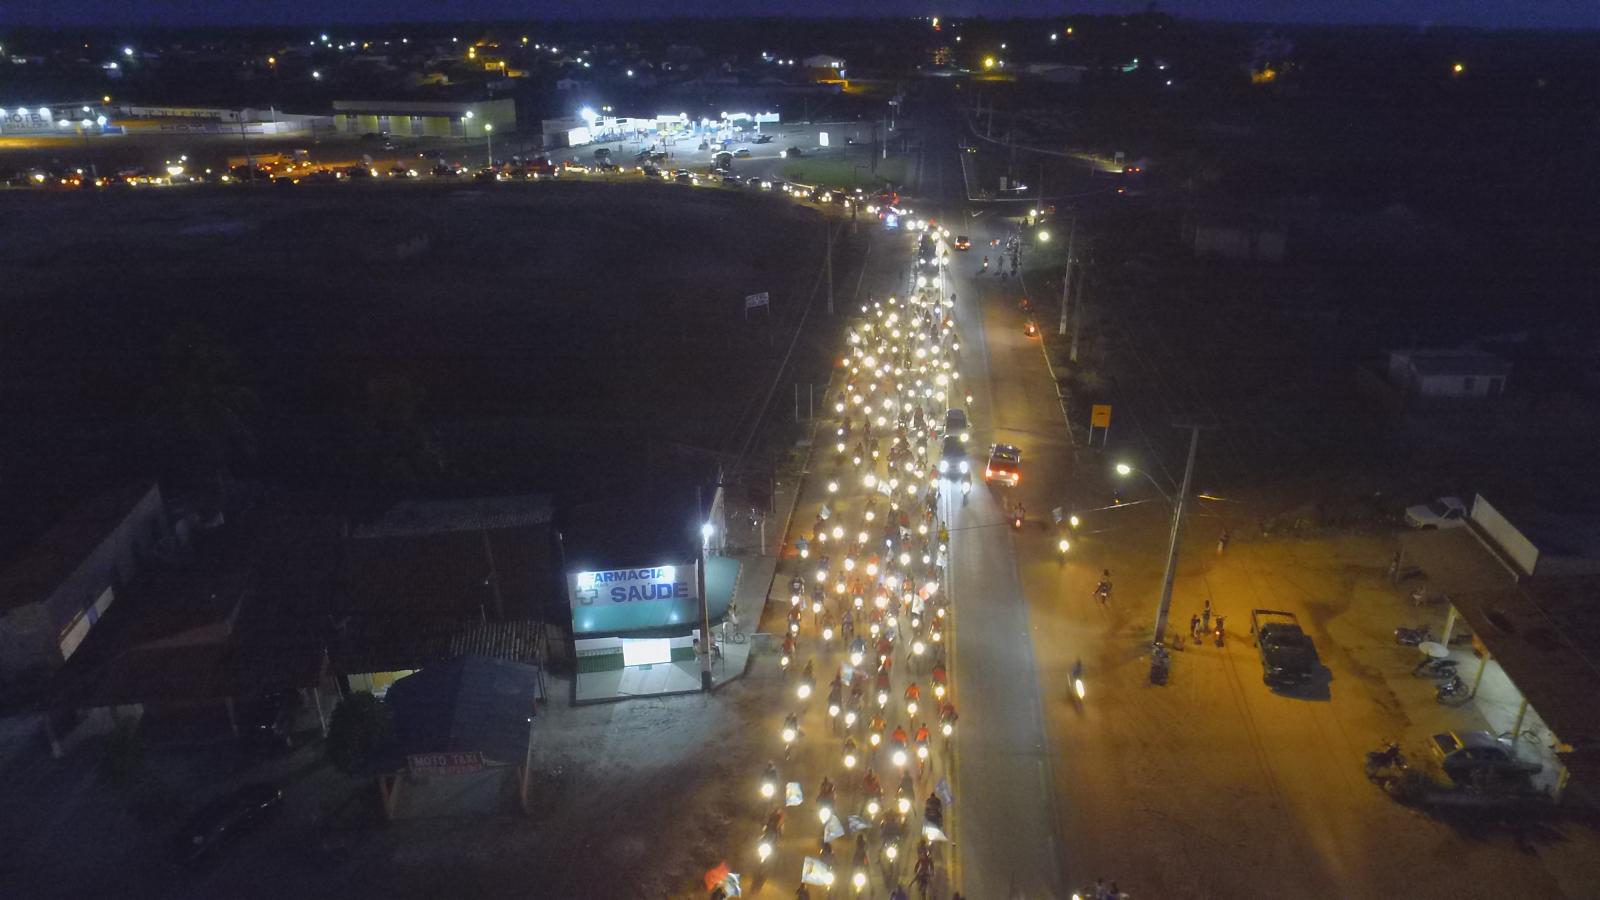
(867, 625)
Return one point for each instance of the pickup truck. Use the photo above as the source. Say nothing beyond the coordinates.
(1287, 654)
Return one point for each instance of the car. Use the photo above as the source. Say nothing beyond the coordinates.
(651, 172)
(963, 242)
(742, 153)
(1005, 465)
(763, 139)
(955, 422)
(224, 820)
(953, 457)
(445, 170)
(684, 176)
(1445, 512)
(603, 153)
(793, 153)
(268, 721)
(399, 171)
(1288, 655)
(1471, 756)
(358, 172)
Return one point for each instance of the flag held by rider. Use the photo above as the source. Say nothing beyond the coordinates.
(757, 301)
(815, 871)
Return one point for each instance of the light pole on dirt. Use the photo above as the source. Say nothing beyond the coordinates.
(1158, 658)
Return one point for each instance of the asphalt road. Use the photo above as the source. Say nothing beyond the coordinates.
(1005, 811)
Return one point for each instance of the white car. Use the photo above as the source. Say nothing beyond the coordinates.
(1445, 512)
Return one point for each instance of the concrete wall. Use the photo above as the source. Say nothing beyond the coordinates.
(1511, 541)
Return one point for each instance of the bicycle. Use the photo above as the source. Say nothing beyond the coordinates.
(738, 636)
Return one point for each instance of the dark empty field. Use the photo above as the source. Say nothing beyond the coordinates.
(403, 340)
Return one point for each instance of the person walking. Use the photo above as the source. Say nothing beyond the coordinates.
(1222, 541)
(1194, 627)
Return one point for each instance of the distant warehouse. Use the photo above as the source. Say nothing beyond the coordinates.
(417, 118)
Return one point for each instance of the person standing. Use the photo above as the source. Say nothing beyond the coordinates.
(1194, 627)
(1205, 615)
(1222, 541)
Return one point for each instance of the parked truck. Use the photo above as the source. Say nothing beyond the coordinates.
(1288, 656)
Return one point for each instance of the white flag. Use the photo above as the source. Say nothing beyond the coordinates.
(755, 300)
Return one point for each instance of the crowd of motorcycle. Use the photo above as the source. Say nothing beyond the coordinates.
(868, 613)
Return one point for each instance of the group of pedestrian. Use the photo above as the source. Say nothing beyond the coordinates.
(1104, 892)
(1200, 624)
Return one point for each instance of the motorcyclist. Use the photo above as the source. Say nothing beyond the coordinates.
(913, 693)
(947, 714)
(922, 733)
(869, 784)
(898, 737)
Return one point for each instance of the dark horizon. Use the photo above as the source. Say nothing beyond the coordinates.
(1550, 15)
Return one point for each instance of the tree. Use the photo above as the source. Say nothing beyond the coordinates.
(359, 725)
(201, 404)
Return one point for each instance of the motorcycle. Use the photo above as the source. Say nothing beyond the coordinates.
(825, 801)
(1410, 637)
(769, 782)
(1438, 668)
(1077, 680)
(791, 732)
(1453, 690)
(1386, 763)
(766, 845)
(1062, 546)
(1016, 518)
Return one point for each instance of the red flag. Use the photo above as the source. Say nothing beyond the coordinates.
(716, 876)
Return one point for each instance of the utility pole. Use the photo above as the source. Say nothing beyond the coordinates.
(828, 266)
(1077, 318)
(1165, 605)
(700, 588)
(1066, 281)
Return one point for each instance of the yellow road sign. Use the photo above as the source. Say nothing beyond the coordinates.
(1100, 416)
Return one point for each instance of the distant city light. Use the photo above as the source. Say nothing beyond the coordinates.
(1457, 69)
(316, 75)
(630, 73)
(127, 51)
(988, 62)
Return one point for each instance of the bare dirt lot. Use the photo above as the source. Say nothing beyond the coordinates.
(378, 329)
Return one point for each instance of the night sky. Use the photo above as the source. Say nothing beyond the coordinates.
(1418, 13)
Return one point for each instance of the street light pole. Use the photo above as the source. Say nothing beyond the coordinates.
(1066, 275)
(488, 132)
(706, 529)
(1165, 606)
(827, 264)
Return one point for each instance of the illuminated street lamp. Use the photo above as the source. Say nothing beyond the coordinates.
(988, 62)
(488, 132)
